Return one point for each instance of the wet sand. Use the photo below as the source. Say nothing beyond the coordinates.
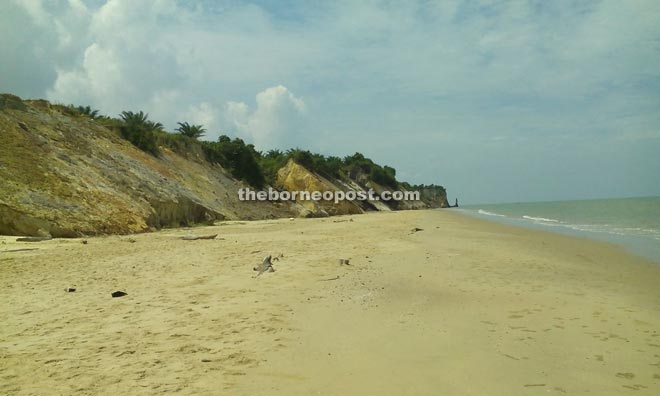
(462, 307)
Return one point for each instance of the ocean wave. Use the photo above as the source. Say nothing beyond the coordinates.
(610, 229)
(541, 219)
(483, 212)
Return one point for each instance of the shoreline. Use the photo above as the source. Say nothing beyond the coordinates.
(463, 306)
(635, 251)
(639, 237)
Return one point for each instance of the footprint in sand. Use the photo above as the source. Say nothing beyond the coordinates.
(628, 376)
(635, 386)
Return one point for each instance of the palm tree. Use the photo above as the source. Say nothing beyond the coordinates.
(130, 118)
(193, 131)
(139, 130)
(155, 126)
(85, 110)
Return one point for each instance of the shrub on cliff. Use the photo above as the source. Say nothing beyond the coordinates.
(85, 111)
(183, 145)
(270, 162)
(357, 164)
(139, 130)
(237, 157)
(383, 176)
(329, 167)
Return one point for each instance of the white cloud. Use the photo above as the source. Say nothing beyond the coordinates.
(274, 123)
(36, 11)
(204, 114)
(378, 77)
(99, 80)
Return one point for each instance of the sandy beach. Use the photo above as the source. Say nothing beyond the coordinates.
(460, 307)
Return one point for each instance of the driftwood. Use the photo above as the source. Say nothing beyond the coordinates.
(416, 229)
(266, 265)
(18, 250)
(33, 239)
(196, 237)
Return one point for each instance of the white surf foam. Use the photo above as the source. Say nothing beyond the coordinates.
(541, 219)
(483, 212)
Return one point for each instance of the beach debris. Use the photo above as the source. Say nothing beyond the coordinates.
(18, 250)
(329, 279)
(266, 265)
(84, 241)
(344, 262)
(130, 239)
(118, 293)
(278, 257)
(197, 237)
(416, 229)
(70, 289)
(33, 239)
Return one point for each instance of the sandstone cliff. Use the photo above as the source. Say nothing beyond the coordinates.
(67, 176)
(294, 177)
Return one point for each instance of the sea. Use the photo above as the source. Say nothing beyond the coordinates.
(630, 222)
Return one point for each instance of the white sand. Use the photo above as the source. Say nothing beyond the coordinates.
(464, 307)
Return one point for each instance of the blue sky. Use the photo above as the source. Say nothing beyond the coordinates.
(499, 101)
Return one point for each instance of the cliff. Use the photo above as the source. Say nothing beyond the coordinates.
(294, 177)
(65, 174)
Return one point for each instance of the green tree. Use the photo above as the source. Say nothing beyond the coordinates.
(193, 131)
(302, 157)
(87, 111)
(239, 158)
(382, 176)
(270, 162)
(139, 130)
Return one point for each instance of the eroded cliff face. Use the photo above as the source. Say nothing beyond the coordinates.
(66, 176)
(293, 177)
(434, 197)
